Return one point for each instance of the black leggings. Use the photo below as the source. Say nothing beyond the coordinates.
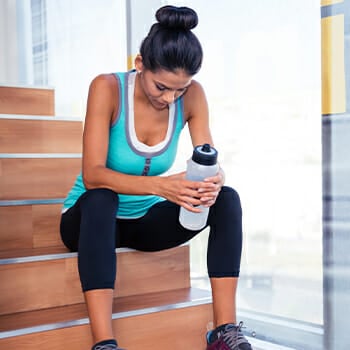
(90, 227)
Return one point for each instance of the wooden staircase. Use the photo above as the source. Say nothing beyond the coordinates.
(41, 304)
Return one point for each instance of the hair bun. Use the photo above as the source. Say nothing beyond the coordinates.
(177, 17)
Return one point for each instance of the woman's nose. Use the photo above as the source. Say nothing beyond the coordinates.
(169, 96)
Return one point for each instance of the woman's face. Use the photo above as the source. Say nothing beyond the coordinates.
(164, 87)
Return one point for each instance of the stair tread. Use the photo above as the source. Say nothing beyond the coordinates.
(121, 304)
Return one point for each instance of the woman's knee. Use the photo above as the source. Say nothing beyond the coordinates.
(99, 198)
(229, 198)
(98, 215)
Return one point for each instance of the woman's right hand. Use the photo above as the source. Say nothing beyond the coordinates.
(185, 193)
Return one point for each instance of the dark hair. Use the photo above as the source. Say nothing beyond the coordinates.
(170, 43)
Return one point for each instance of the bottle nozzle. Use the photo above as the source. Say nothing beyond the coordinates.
(205, 154)
(206, 148)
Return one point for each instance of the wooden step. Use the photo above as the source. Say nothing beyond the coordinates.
(37, 178)
(27, 100)
(40, 135)
(31, 282)
(149, 322)
(29, 226)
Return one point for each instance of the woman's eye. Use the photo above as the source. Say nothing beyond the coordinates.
(160, 88)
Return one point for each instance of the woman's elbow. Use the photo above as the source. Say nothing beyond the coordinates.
(89, 179)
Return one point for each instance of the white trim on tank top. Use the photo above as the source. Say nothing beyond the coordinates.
(140, 146)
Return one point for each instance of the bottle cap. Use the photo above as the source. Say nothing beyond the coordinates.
(205, 154)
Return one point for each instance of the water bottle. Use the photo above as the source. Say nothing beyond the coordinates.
(203, 164)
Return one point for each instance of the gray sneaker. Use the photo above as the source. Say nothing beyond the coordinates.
(231, 338)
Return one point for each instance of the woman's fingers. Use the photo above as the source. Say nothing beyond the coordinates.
(192, 194)
(189, 207)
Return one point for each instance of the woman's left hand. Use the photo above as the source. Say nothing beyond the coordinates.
(218, 181)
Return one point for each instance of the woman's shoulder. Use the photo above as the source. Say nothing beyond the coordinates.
(195, 101)
(103, 81)
(194, 94)
(194, 91)
(104, 91)
(106, 86)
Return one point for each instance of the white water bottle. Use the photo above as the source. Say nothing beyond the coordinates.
(203, 164)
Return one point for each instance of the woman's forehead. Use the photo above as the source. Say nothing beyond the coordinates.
(176, 79)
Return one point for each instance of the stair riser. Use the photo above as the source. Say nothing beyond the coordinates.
(22, 100)
(44, 284)
(30, 226)
(176, 329)
(40, 136)
(37, 178)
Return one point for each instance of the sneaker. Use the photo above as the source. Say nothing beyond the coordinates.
(231, 338)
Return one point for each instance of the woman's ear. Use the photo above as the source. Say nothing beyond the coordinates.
(138, 63)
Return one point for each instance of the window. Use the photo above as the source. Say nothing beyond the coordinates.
(261, 72)
(40, 43)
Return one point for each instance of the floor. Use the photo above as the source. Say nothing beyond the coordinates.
(262, 345)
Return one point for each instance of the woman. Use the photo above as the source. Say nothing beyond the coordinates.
(132, 126)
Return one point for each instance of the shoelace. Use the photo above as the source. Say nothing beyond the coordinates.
(107, 347)
(233, 336)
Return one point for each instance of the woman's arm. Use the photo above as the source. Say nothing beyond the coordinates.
(197, 111)
(197, 114)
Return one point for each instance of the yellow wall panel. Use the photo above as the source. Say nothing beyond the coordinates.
(333, 66)
(330, 2)
(131, 60)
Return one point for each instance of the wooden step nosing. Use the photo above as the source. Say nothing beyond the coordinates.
(37, 258)
(39, 117)
(43, 328)
(46, 257)
(58, 256)
(117, 315)
(39, 155)
(154, 309)
(21, 202)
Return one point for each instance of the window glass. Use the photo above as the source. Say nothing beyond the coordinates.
(261, 72)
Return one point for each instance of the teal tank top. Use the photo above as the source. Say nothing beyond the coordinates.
(126, 154)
